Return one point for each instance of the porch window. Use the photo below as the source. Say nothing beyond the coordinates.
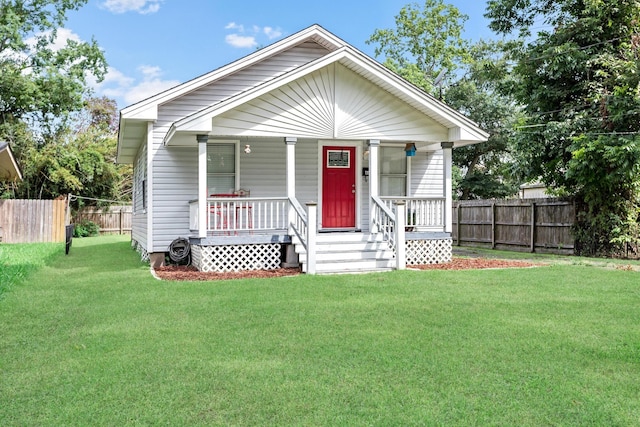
(393, 171)
(222, 168)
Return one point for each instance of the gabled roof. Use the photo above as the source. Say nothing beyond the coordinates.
(133, 119)
(9, 169)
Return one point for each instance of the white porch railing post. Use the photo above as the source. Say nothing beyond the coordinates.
(202, 185)
(374, 181)
(448, 189)
(291, 178)
(312, 216)
(401, 257)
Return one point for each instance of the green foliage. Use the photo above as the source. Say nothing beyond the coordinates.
(36, 78)
(86, 228)
(580, 85)
(81, 160)
(425, 42)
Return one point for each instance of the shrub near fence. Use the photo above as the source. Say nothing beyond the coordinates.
(534, 225)
(113, 220)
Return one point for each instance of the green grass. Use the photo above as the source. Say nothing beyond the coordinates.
(18, 261)
(93, 339)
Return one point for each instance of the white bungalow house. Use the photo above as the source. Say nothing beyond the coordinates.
(304, 151)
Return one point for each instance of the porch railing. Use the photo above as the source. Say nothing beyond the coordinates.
(421, 213)
(384, 221)
(298, 222)
(230, 215)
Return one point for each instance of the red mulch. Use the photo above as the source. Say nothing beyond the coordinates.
(182, 272)
(475, 263)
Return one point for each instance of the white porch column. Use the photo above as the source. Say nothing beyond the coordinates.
(448, 189)
(401, 253)
(312, 218)
(291, 166)
(291, 176)
(202, 185)
(374, 179)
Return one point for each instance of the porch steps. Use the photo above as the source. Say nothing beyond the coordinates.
(348, 253)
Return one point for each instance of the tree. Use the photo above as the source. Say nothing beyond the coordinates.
(580, 83)
(486, 168)
(39, 81)
(427, 43)
(81, 160)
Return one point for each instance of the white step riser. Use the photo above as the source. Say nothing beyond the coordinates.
(348, 256)
(352, 266)
(347, 248)
(340, 238)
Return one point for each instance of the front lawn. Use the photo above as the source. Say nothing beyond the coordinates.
(93, 339)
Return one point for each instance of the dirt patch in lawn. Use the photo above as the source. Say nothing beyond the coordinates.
(182, 272)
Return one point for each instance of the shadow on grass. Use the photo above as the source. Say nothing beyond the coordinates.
(19, 261)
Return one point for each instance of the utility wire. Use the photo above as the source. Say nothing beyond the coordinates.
(73, 197)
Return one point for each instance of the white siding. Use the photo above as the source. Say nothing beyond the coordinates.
(243, 80)
(333, 102)
(426, 174)
(139, 218)
(263, 172)
(307, 171)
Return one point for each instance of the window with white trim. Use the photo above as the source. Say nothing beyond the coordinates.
(222, 168)
(393, 171)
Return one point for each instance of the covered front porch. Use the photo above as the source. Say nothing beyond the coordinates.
(237, 230)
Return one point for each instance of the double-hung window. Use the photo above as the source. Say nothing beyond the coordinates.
(393, 171)
(222, 168)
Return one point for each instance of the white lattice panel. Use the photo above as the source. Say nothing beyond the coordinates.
(437, 251)
(144, 255)
(236, 257)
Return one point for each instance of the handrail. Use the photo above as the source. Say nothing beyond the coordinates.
(298, 221)
(384, 221)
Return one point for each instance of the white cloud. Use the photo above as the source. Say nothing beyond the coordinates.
(127, 90)
(141, 6)
(237, 40)
(242, 38)
(272, 33)
(151, 84)
(234, 26)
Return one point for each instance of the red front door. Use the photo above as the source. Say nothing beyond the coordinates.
(338, 187)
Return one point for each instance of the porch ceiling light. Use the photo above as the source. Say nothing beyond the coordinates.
(410, 149)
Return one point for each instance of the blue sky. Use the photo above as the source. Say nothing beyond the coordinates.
(152, 45)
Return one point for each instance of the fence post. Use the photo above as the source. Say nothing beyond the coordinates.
(533, 227)
(121, 222)
(312, 215)
(401, 259)
(493, 225)
(458, 228)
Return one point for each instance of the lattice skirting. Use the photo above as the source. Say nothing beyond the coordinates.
(236, 257)
(436, 251)
(144, 255)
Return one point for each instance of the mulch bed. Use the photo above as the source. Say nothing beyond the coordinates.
(182, 272)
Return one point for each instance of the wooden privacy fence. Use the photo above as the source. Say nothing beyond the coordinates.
(115, 219)
(32, 221)
(535, 225)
